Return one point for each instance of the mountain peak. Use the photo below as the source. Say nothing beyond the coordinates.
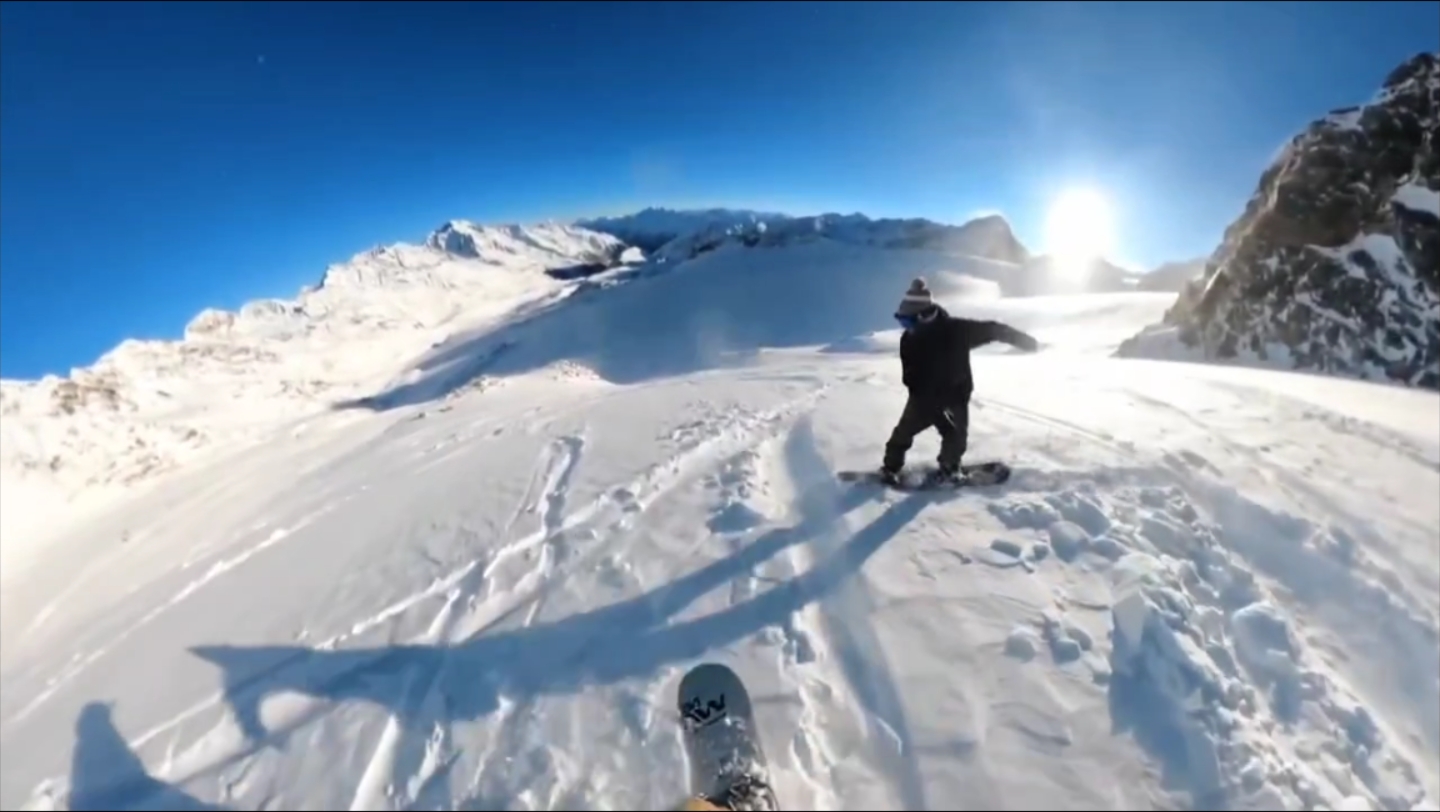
(996, 238)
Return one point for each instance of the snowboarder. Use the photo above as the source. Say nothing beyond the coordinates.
(935, 364)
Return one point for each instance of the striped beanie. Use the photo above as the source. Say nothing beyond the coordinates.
(917, 299)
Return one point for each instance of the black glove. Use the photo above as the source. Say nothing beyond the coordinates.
(1025, 341)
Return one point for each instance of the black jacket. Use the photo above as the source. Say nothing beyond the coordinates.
(935, 357)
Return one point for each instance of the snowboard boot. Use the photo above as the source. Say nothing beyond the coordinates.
(946, 475)
(890, 476)
(744, 794)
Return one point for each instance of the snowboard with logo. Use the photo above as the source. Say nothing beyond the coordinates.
(727, 763)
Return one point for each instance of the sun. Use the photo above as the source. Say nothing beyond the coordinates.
(1079, 228)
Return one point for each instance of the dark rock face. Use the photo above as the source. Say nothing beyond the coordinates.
(1335, 262)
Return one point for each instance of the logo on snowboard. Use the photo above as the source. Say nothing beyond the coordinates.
(704, 712)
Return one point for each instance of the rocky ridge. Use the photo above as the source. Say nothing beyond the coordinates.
(1334, 265)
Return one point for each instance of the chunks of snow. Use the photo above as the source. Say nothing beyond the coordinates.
(1068, 539)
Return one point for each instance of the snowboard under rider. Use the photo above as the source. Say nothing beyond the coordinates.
(935, 363)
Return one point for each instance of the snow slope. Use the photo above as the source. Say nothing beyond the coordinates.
(475, 584)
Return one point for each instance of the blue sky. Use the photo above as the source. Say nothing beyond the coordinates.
(158, 158)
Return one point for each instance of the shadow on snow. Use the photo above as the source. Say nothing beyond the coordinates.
(599, 647)
(106, 774)
(629, 639)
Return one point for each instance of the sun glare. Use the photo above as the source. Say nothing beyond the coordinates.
(1078, 228)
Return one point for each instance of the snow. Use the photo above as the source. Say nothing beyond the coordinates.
(651, 228)
(466, 567)
(1346, 119)
(1417, 197)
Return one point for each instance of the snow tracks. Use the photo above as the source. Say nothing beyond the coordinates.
(1230, 618)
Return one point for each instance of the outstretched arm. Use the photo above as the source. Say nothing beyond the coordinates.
(980, 333)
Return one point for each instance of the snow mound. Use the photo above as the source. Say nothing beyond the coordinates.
(1335, 264)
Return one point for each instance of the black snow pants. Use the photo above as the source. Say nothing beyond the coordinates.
(950, 416)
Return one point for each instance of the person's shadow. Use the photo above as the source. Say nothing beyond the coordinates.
(106, 774)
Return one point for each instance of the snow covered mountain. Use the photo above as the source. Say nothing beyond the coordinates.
(563, 252)
(652, 227)
(444, 531)
(1335, 263)
(462, 521)
(148, 405)
(240, 377)
(677, 236)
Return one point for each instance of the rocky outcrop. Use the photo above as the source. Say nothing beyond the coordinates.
(1333, 265)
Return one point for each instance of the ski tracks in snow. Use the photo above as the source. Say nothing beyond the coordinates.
(841, 731)
(506, 586)
(843, 636)
(400, 770)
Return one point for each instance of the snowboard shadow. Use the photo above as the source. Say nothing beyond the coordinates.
(630, 639)
(106, 774)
